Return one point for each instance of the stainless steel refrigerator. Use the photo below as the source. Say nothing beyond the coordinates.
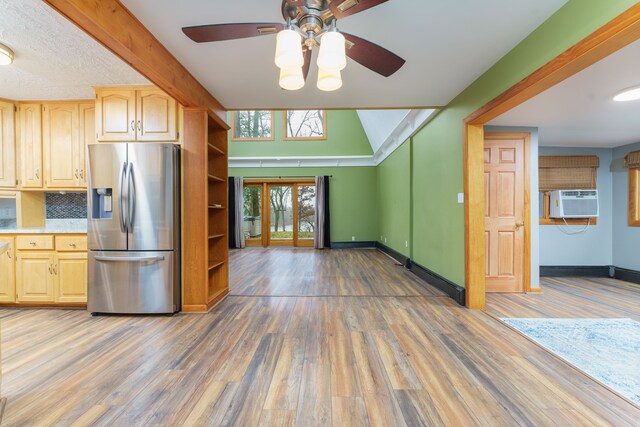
(134, 228)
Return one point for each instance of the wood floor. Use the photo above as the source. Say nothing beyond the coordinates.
(412, 357)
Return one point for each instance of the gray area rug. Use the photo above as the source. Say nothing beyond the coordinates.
(606, 349)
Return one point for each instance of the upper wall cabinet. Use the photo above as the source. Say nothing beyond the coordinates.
(31, 145)
(135, 115)
(87, 137)
(63, 147)
(7, 145)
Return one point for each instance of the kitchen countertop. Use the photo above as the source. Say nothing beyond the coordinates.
(52, 226)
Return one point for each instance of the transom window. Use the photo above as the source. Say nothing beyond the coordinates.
(305, 124)
(252, 125)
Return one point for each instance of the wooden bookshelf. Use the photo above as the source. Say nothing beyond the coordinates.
(205, 229)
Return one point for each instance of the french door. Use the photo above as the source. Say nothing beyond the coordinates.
(279, 213)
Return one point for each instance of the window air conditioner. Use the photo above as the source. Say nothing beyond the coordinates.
(574, 204)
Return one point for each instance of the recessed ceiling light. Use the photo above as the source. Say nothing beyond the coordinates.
(6, 55)
(630, 94)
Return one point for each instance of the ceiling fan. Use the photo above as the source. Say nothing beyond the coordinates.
(310, 23)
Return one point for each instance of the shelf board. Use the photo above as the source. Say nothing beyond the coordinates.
(215, 178)
(216, 236)
(216, 149)
(215, 265)
(216, 207)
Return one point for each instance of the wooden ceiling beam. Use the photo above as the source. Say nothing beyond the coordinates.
(116, 28)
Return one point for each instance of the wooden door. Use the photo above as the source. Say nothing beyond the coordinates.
(156, 118)
(34, 276)
(7, 145)
(7, 273)
(31, 145)
(70, 273)
(504, 214)
(61, 145)
(116, 115)
(87, 137)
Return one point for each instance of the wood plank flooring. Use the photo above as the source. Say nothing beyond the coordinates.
(571, 297)
(347, 360)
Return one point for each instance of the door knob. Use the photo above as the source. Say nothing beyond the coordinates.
(519, 224)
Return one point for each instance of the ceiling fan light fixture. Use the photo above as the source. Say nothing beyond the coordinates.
(332, 55)
(630, 94)
(291, 78)
(6, 55)
(329, 80)
(289, 49)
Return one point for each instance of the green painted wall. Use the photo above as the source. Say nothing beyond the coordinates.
(345, 137)
(394, 196)
(352, 198)
(438, 223)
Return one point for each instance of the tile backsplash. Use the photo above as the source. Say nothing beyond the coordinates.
(67, 205)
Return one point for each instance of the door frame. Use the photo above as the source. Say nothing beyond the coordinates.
(526, 145)
(266, 184)
(616, 34)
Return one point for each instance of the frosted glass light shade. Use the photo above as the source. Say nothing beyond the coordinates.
(329, 80)
(289, 49)
(291, 78)
(631, 94)
(6, 55)
(332, 54)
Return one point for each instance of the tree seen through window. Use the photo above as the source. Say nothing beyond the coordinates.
(252, 125)
(305, 124)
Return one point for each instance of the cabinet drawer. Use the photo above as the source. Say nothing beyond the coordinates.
(37, 243)
(71, 243)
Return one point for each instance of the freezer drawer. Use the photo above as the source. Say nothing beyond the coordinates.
(132, 282)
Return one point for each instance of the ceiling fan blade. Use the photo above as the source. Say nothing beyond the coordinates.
(342, 8)
(307, 63)
(374, 57)
(219, 32)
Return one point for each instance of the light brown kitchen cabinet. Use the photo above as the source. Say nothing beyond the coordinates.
(35, 276)
(7, 145)
(7, 272)
(140, 114)
(87, 137)
(64, 148)
(70, 271)
(30, 118)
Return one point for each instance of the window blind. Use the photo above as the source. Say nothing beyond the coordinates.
(567, 172)
(633, 160)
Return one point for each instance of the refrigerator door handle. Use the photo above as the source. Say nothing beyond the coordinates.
(131, 190)
(123, 198)
(130, 259)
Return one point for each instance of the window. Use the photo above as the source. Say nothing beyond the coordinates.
(633, 162)
(252, 125)
(305, 124)
(565, 173)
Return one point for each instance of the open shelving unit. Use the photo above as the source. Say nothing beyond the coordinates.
(205, 233)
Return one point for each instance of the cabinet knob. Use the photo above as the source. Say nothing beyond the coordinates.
(32, 243)
(139, 126)
(50, 269)
(55, 269)
(77, 174)
(73, 245)
(37, 173)
(133, 125)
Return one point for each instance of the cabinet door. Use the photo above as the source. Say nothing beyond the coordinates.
(34, 276)
(7, 145)
(87, 137)
(7, 273)
(156, 116)
(61, 142)
(71, 277)
(31, 145)
(116, 115)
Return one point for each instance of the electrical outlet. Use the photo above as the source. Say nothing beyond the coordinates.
(353, 238)
(460, 197)
(406, 243)
(385, 240)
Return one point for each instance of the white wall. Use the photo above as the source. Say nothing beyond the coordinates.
(626, 240)
(595, 246)
(533, 184)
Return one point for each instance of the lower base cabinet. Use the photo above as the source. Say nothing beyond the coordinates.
(71, 277)
(7, 273)
(35, 277)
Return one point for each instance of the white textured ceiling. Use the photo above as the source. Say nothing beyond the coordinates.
(447, 45)
(54, 59)
(581, 112)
